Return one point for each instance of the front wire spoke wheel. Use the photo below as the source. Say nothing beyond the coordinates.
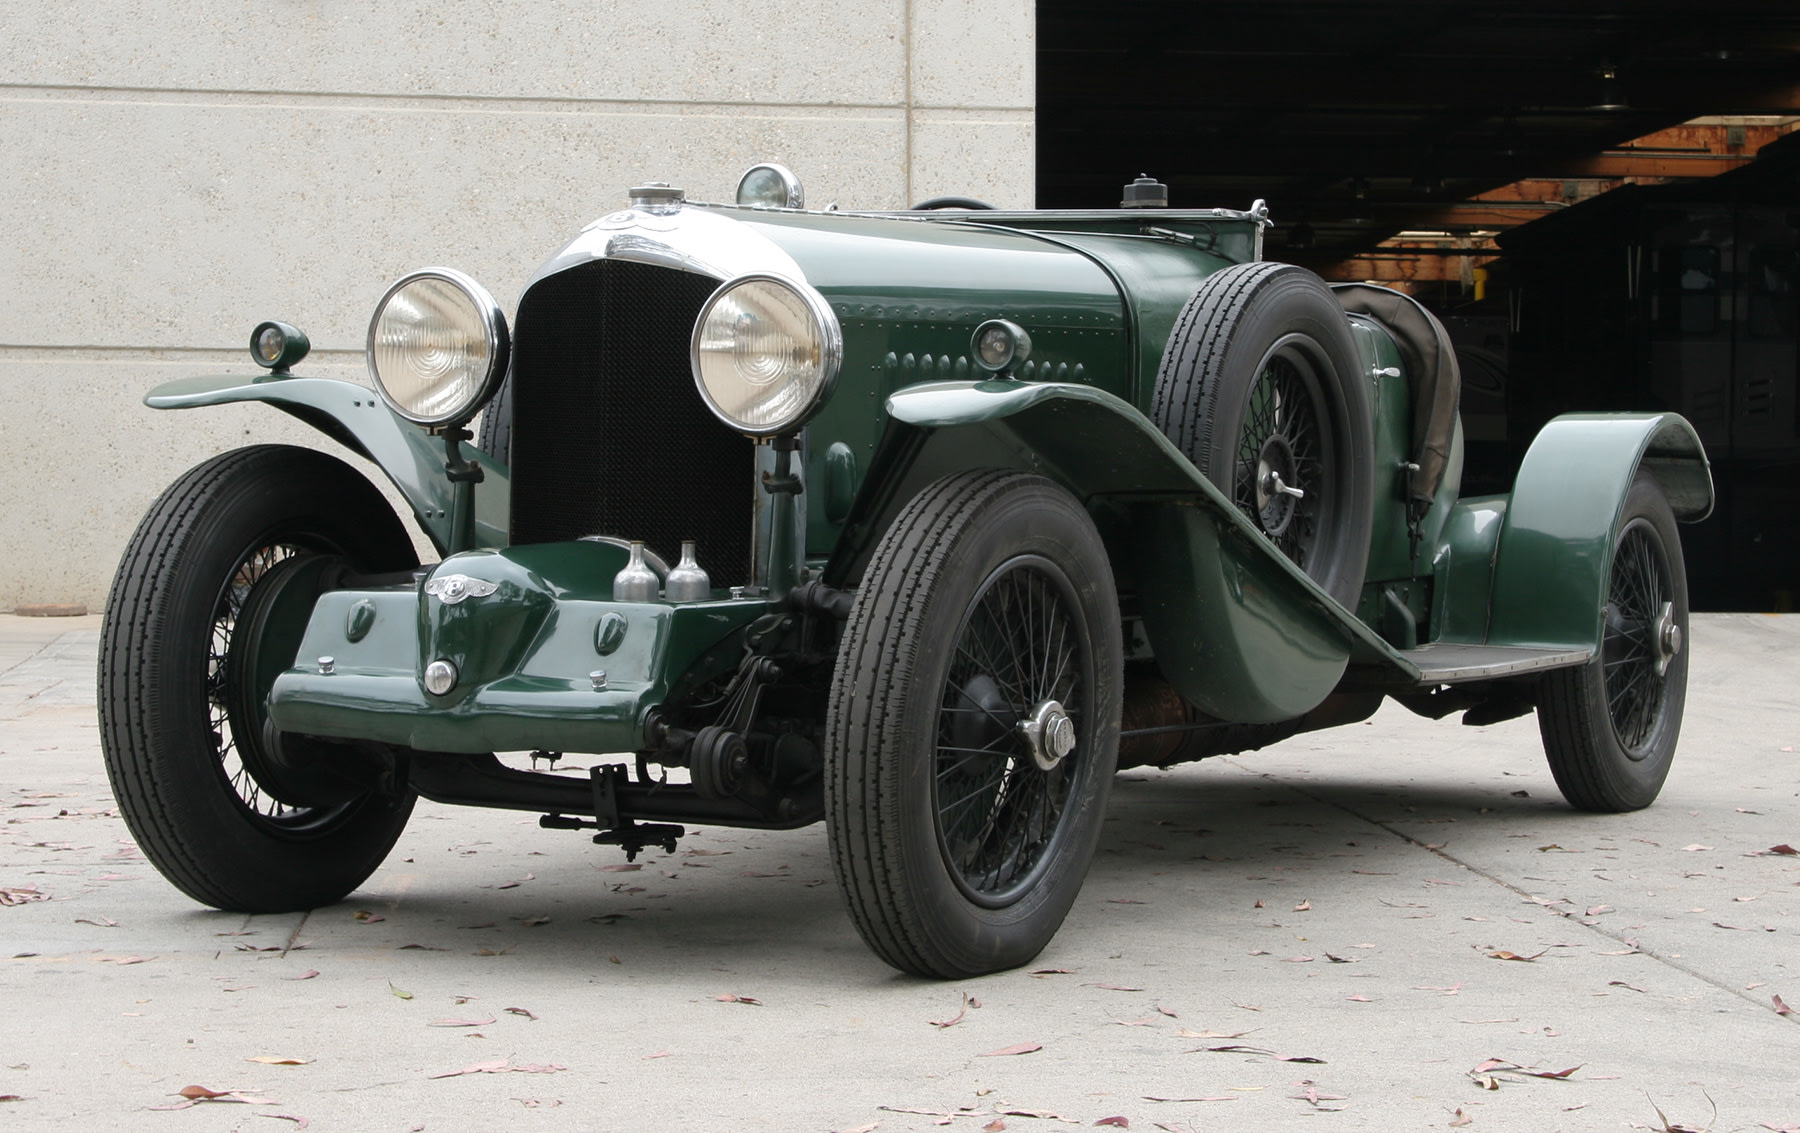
(209, 605)
(973, 724)
(251, 570)
(998, 815)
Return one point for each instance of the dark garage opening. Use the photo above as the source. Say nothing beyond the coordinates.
(1602, 201)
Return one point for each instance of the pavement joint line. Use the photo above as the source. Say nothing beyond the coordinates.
(39, 652)
(1527, 896)
(292, 936)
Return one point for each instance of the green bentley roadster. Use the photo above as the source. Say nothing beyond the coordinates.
(920, 524)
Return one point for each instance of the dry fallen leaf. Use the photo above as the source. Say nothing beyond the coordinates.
(1041, 972)
(1312, 1095)
(1303, 907)
(310, 973)
(460, 1022)
(1784, 848)
(1016, 1048)
(503, 1066)
(193, 1095)
(954, 1020)
(397, 993)
(1261, 1051)
(730, 998)
(299, 1122)
(1115, 1122)
(1460, 1119)
(1113, 987)
(621, 867)
(998, 1125)
(1503, 954)
(1202, 1098)
(1780, 1007)
(870, 1127)
(658, 1054)
(1695, 847)
(521, 1011)
(277, 1060)
(1187, 1034)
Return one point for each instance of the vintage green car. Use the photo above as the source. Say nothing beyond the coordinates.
(968, 508)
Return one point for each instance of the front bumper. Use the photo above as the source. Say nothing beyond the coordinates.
(524, 655)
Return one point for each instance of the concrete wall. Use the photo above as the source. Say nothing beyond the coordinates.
(178, 171)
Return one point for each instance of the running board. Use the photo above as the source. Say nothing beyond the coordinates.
(1449, 663)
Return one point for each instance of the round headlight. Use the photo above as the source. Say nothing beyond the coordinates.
(765, 354)
(770, 186)
(276, 346)
(1000, 345)
(437, 347)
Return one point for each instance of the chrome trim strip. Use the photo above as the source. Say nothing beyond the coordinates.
(699, 240)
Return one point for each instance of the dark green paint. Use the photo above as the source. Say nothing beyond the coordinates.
(1463, 570)
(609, 632)
(1234, 625)
(1246, 641)
(839, 482)
(1555, 551)
(1209, 585)
(355, 417)
(361, 621)
(524, 654)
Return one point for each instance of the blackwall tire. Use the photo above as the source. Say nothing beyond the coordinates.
(958, 839)
(1610, 727)
(178, 737)
(1262, 379)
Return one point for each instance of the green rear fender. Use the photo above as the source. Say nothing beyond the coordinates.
(1237, 628)
(356, 418)
(1556, 540)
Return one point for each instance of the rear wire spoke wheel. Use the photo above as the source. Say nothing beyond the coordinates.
(1610, 727)
(973, 725)
(207, 606)
(1283, 452)
(1262, 387)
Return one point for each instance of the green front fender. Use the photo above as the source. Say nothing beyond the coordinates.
(1236, 627)
(355, 417)
(1554, 557)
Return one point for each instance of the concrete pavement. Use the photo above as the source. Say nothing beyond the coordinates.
(1343, 931)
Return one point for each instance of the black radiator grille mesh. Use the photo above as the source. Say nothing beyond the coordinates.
(609, 435)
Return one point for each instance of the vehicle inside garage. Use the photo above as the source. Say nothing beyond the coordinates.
(1600, 202)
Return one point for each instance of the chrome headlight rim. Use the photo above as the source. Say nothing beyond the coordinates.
(792, 191)
(831, 352)
(494, 329)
